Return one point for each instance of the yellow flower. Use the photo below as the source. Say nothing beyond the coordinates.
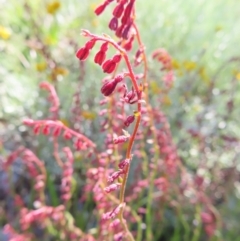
(189, 65)
(154, 88)
(175, 64)
(238, 76)
(60, 71)
(4, 33)
(41, 66)
(89, 115)
(166, 100)
(53, 7)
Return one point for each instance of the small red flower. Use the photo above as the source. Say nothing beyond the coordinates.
(112, 187)
(90, 44)
(118, 10)
(109, 66)
(108, 87)
(116, 58)
(124, 163)
(104, 47)
(126, 30)
(120, 139)
(127, 12)
(119, 31)
(100, 57)
(128, 45)
(82, 53)
(100, 8)
(113, 24)
(130, 119)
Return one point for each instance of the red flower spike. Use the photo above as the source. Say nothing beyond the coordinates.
(108, 87)
(116, 58)
(104, 47)
(109, 66)
(90, 44)
(100, 57)
(118, 10)
(100, 8)
(82, 53)
(113, 24)
(130, 119)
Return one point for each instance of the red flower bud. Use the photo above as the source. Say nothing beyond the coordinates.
(126, 31)
(100, 8)
(116, 58)
(112, 187)
(100, 57)
(118, 78)
(108, 87)
(120, 139)
(115, 175)
(113, 24)
(127, 12)
(130, 119)
(90, 44)
(128, 45)
(109, 66)
(104, 47)
(124, 163)
(118, 10)
(119, 31)
(82, 53)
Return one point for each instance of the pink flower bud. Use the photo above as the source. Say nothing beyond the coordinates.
(108, 87)
(112, 187)
(113, 213)
(120, 139)
(130, 119)
(46, 130)
(115, 175)
(67, 135)
(57, 131)
(124, 163)
(28, 122)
